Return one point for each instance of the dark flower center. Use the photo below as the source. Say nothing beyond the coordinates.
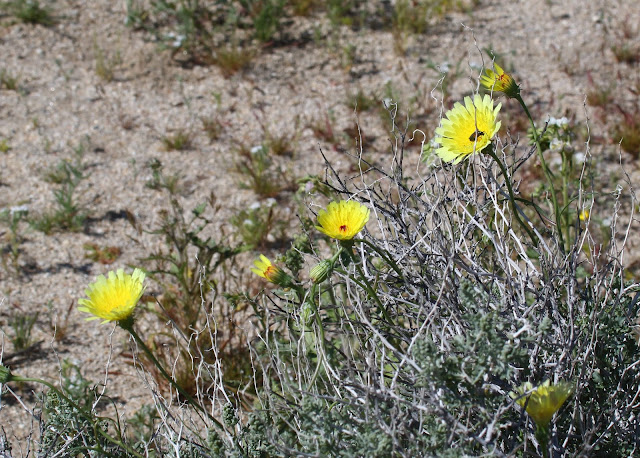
(476, 136)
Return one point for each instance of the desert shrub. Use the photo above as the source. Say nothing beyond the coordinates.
(414, 339)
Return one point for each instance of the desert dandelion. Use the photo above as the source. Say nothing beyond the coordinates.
(543, 401)
(467, 128)
(343, 220)
(265, 269)
(113, 298)
(500, 81)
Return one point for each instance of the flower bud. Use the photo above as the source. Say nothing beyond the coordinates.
(5, 374)
(321, 271)
(499, 81)
(274, 274)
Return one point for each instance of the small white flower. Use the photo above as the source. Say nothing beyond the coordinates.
(254, 206)
(19, 209)
(270, 202)
(562, 122)
(247, 222)
(444, 68)
(178, 41)
(579, 158)
(555, 144)
(256, 149)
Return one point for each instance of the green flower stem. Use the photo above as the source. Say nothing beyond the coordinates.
(516, 209)
(542, 434)
(127, 326)
(566, 170)
(547, 172)
(367, 286)
(91, 418)
(388, 259)
(321, 354)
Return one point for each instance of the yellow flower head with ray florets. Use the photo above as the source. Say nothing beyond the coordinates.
(274, 274)
(113, 298)
(544, 401)
(343, 220)
(499, 81)
(467, 128)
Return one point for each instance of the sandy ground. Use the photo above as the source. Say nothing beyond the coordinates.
(557, 49)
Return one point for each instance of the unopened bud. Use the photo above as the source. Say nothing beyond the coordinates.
(500, 81)
(274, 274)
(5, 374)
(321, 271)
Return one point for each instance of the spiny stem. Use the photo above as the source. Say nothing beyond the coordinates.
(566, 169)
(546, 170)
(128, 327)
(388, 259)
(516, 209)
(367, 286)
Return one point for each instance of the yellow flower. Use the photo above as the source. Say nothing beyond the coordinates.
(542, 402)
(584, 215)
(499, 81)
(343, 220)
(274, 274)
(467, 128)
(115, 297)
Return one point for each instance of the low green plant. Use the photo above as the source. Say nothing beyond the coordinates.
(265, 15)
(189, 262)
(257, 224)
(68, 213)
(137, 15)
(103, 255)
(106, 62)
(342, 12)
(324, 128)
(600, 96)
(362, 101)
(59, 322)
(21, 324)
(190, 24)
(181, 140)
(231, 59)
(213, 127)
(31, 12)
(142, 424)
(4, 146)
(8, 81)
(282, 143)
(409, 18)
(303, 7)
(12, 217)
(627, 131)
(260, 173)
(70, 421)
(627, 53)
